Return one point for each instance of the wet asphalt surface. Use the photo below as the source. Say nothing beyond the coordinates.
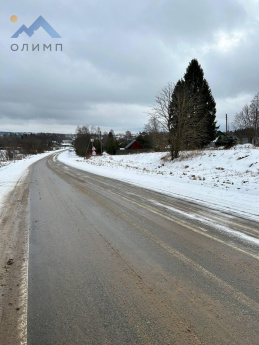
(110, 263)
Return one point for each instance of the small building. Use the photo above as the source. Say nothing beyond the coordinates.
(66, 143)
(134, 145)
(132, 148)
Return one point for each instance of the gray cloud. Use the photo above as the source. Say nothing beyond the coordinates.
(117, 55)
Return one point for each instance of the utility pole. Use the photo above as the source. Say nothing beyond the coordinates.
(226, 124)
(100, 139)
(87, 148)
(256, 125)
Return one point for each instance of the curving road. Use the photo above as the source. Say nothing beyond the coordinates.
(111, 263)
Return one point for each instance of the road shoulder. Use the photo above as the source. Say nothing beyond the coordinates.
(14, 219)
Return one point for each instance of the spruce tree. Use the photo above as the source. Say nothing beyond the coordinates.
(111, 145)
(186, 119)
(199, 87)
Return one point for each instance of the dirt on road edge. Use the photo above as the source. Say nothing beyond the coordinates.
(14, 232)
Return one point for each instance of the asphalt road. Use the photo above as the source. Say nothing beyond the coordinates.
(110, 263)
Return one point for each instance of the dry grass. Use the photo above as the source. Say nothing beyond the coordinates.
(190, 154)
(167, 157)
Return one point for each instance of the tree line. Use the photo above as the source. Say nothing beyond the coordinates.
(29, 143)
(101, 141)
(107, 141)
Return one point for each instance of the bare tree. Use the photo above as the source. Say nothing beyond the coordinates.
(153, 128)
(242, 119)
(248, 119)
(82, 141)
(159, 124)
(82, 130)
(254, 109)
(160, 111)
(128, 135)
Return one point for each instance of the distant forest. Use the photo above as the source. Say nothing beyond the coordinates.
(15, 144)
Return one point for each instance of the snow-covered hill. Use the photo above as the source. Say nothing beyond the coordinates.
(224, 179)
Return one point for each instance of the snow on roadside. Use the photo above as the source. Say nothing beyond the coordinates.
(221, 179)
(11, 172)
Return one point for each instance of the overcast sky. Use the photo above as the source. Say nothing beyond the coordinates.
(117, 55)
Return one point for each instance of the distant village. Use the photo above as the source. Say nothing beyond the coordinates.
(15, 145)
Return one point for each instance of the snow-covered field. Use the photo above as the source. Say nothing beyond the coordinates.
(222, 179)
(11, 172)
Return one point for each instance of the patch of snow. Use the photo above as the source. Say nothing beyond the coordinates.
(12, 171)
(222, 179)
(209, 222)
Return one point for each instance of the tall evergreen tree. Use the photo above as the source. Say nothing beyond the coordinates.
(111, 145)
(198, 86)
(186, 119)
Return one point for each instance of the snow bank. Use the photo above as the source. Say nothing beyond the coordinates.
(222, 179)
(11, 172)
